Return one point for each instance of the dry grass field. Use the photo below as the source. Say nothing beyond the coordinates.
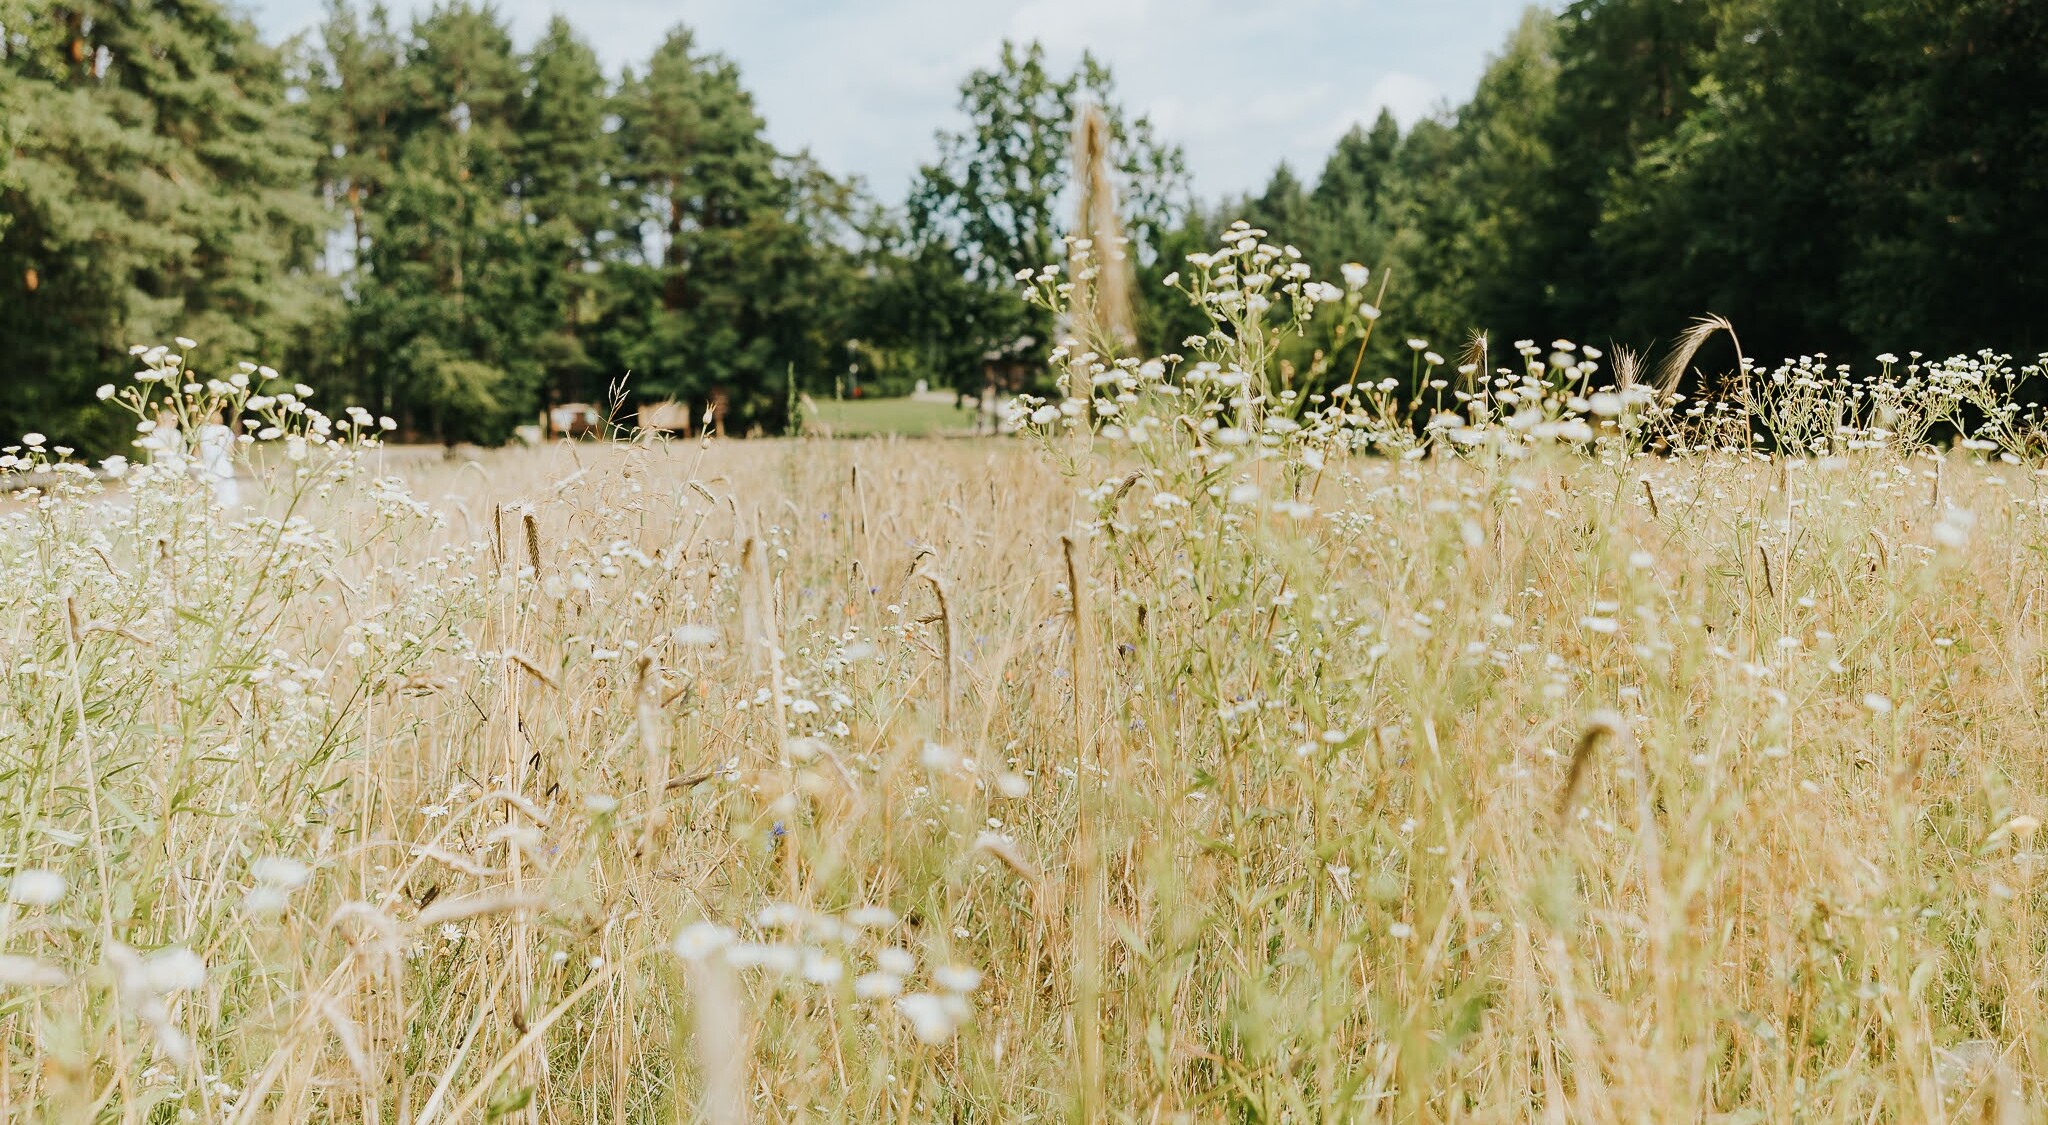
(1221, 772)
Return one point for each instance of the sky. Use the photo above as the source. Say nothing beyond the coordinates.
(865, 84)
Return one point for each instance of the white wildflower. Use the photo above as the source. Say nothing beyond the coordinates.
(281, 872)
(872, 917)
(17, 971)
(699, 940)
(933, 1019)
(36, 886)
(877, 986)
(173, 969)
(694, 636)
(896, 959)
(957, 978)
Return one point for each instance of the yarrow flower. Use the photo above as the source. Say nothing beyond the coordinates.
(17, 971)
(36, 886)
(957, 978)
(877, 986)
(702, 939)
(872, 917)
(933, 1018)
(281, 872)
(174, 969)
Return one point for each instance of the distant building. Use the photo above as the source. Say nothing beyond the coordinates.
(1009, 368)
(1005, 371)
(665, 417)
(575, 420)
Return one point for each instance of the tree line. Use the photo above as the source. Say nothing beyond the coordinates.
(428, 220)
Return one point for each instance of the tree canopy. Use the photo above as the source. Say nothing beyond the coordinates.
(457, 230)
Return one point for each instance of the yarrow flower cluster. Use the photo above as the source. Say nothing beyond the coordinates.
(850, 953)
(196, 428)
(1223, 401)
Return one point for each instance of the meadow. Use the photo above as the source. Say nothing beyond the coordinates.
(888, 417)
(1540, 745)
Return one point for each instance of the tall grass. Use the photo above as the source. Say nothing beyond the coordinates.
(1458, 746)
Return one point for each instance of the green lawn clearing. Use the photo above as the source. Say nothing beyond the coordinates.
(909, 417)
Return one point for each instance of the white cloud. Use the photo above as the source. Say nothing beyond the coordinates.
(1071, 26)
(1407, 95)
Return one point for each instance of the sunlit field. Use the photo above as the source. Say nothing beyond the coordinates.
(906, 417)
(1211, 751)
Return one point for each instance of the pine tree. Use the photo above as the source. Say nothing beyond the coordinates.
(448, 306)
(564, 165)
(158, 185)
(1949, 178)
(353, 99)
(1628, 72)
(1358, 174)
(1283, 208)
(1501, 191)
(743, 251)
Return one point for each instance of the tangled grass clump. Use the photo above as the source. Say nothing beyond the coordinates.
(1475, 743)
